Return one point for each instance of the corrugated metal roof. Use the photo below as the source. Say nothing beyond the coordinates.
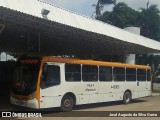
(62, 16)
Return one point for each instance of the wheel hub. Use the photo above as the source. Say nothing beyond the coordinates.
(67, 103)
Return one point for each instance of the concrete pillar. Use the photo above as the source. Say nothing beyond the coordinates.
(132, 57)
(135, 30)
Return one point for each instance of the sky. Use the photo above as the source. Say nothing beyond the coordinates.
(85, 7)
(5, 57)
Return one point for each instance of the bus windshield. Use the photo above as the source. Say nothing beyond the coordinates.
(25, 79)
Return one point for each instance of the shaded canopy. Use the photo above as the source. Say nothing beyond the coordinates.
(25, 29)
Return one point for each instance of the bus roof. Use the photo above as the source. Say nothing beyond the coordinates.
(92, 62)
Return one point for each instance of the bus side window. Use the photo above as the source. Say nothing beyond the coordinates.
(44, 71)
(141, 75)
(118, 74)
(90, 73)
(105, 73)
(45, 68)
(52, 77)
(72, 72)
(130, 74)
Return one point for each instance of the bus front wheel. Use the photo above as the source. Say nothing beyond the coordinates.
(66, 103)
(127, 97)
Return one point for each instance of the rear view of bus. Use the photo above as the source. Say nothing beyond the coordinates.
(24, 83)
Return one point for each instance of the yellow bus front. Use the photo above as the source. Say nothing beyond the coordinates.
(24, 86)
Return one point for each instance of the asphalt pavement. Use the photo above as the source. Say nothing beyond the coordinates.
(142, 106)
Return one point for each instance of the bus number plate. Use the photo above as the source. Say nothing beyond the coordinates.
(115, 86)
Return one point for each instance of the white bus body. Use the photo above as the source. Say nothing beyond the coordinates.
(64, 93)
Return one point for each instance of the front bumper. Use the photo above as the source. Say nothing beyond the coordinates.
(33, 103)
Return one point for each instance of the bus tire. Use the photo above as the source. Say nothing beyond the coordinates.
(67, 103)
(127, 97)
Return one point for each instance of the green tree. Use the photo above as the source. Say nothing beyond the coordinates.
(150, 27)
(150, 22)
(121, 16)
(100, 4)
(148, 19)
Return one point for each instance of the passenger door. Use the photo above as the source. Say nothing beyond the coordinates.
(50, 93)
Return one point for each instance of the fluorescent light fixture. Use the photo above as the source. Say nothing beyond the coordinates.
(45, 12)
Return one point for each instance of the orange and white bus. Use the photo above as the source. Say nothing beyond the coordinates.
(62, 82)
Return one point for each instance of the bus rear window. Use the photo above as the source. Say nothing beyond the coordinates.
(148, 75)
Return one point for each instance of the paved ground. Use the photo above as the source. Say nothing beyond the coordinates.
(88, 111)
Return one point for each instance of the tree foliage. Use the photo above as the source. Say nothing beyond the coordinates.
(147, 18)
(99, 6)
(150, 22)
(104, 2)
(121, 16)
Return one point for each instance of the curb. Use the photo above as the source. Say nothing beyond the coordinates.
(155, 94)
